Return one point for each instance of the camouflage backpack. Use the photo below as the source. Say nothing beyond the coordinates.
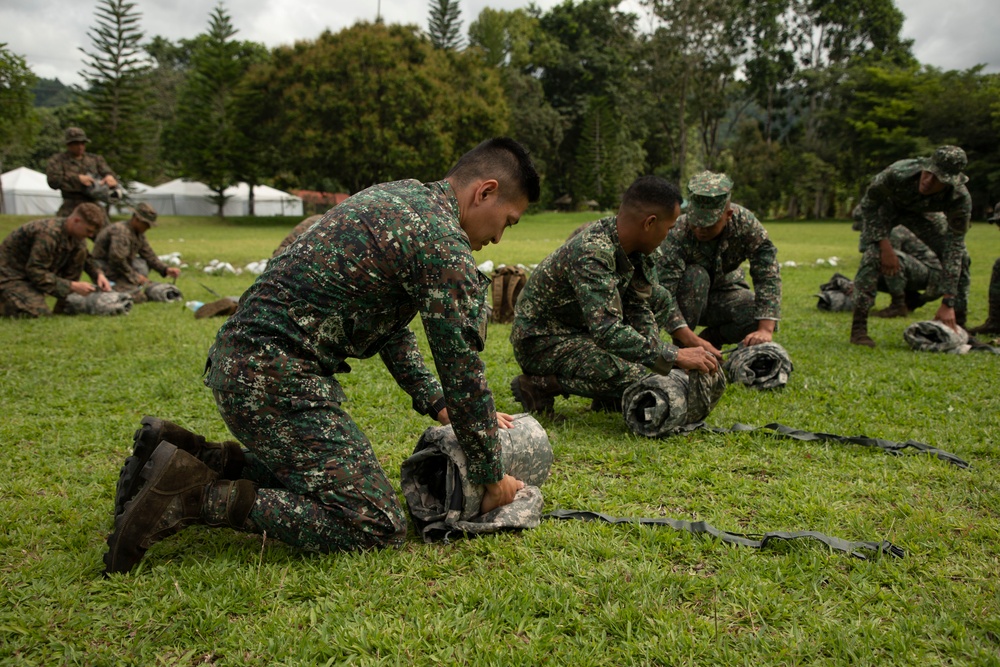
(763, 366)
(442, 500)
(98, 303)
(659, 405)
(508, 281)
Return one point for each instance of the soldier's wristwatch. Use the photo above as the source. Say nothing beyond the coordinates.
(948, 301)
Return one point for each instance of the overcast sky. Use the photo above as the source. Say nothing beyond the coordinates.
(49, 33)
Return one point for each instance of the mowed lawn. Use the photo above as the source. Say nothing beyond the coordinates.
(73, 391)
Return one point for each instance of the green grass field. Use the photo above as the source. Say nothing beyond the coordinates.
(567, 593)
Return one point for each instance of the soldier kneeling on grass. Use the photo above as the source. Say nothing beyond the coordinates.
(122, 251)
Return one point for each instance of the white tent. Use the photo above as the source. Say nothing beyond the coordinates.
(180, 197)
(266, 200)
(27, 192)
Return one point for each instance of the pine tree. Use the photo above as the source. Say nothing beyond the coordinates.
(444, 24)
(113, 70)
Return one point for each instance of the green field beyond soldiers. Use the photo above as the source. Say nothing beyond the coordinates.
(567, 593)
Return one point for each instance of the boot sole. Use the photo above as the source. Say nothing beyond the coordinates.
(130, 478)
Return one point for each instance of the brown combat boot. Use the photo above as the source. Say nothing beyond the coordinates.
(859, 329)
(179, 490)
(897, 308)
(607, 404)
(225, 458)
(535, 393)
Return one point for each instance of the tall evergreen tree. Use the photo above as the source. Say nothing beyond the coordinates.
(113, 68)
(444, 24)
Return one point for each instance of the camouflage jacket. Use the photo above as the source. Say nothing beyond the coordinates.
(743, 238)
(589, 286)
(348, 287)
(115, 247)
(295, 233)
(894, 193)
(63, 172)
(43, 254)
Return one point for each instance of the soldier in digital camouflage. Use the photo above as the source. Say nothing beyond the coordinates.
(46, 258)
(916, 193)
(296, 232)
(73, 171)
(699, 266)
(119, 245)
(347, 288)
(583, 324)
(919, 278)
(992, 323)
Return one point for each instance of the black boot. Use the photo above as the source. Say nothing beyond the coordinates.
(897, 308)
(859, 329)
(535, 393)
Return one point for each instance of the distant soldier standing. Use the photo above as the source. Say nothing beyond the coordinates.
(73, 171)
(699, 264)
(119, 245)
(915, 193)
(992, 323)
(46, 258)
(583, 324)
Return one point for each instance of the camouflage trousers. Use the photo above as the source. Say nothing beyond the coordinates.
(726, 310)
(19, 298)
(867, 281)
(320, 486)
(913, 276)
(582, 368)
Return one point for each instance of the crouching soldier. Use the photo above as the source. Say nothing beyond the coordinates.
(122, 251)
(992, 323)
(583, 324)
(46, 258)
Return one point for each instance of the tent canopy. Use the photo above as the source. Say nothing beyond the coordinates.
(27, 192)
(181, 197)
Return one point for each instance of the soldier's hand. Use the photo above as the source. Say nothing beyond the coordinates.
(705, 345)
(86, 180)
(504, 420)
(500, 493)
(109, 181)
(102, 283)
(443, 417)
(173, 271)
(81, 288)
(946, 316)
(696, 359)
(890, 262)
(757, 337)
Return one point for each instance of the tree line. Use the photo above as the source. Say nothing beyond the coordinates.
(800, 101)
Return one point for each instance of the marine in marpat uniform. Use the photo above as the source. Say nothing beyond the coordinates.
(583, 324)
(699, 265)
(119, 245)
(46, 258)
(992, 323)
(74, 171)
(347, 288)
(915, 193)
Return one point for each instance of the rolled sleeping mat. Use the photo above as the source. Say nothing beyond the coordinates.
(442, 500)
(163, 292)
(98, 303)
(934, 336)
(762, 366)
(659, 405)
(834, 302)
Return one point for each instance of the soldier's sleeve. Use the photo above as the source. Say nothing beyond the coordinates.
(638, 301)
(959, 213)
(602, 307)
(119, 258)
(877, 212)
(764, 271)
(55, 174)
(90, 267)
(447, 283)
(146, 252)
(44, 254)
(670, 267)
(402, 357)
(102, 168)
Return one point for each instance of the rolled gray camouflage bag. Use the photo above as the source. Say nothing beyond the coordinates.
(163, 292)
(934, 336)
(659, 405)
(762, 366)
(98, 303)
(837, 294)
(443, 502)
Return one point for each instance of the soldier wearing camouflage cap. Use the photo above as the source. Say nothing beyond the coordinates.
(992, 323)
(74, 171)
(699, 265)
(119, 246)
(927, 196)
(46, 258)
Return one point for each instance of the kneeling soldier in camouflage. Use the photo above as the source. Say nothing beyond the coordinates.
(47, 257)
(992, 323)
(583, 325)
(348, 287)
(119, 246)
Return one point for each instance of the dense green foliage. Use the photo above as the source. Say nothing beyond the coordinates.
(18, 121)
(73, 392)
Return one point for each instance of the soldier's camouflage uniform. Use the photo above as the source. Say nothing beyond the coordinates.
(37, 259)
(708, 284)
(940, 221)
(919, 267)
(115, 248)
(584, 316)
(347, 288)
(63, 172)
(296, 233)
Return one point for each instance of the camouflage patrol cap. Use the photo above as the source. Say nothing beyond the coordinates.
(146, 213)
(75, 134)
(709, 195)
(947, 164)
(995, 218)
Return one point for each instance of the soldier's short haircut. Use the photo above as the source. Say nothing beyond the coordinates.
(505, 160)
(651, 191)
(91, 213)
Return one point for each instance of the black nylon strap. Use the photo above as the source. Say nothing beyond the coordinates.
(809, 436)
(856, 549)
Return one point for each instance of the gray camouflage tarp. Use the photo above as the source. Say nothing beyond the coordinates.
(837, 294)
(934, 336)
(98, 303)
(762, 366)
(442, 500)
(163, 292)
(659, 405)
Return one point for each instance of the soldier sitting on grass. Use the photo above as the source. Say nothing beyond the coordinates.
(46, 258)
(583, 324)
(118, 248)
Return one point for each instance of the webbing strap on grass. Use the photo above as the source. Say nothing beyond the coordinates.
(798, 434)
(857, 549)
